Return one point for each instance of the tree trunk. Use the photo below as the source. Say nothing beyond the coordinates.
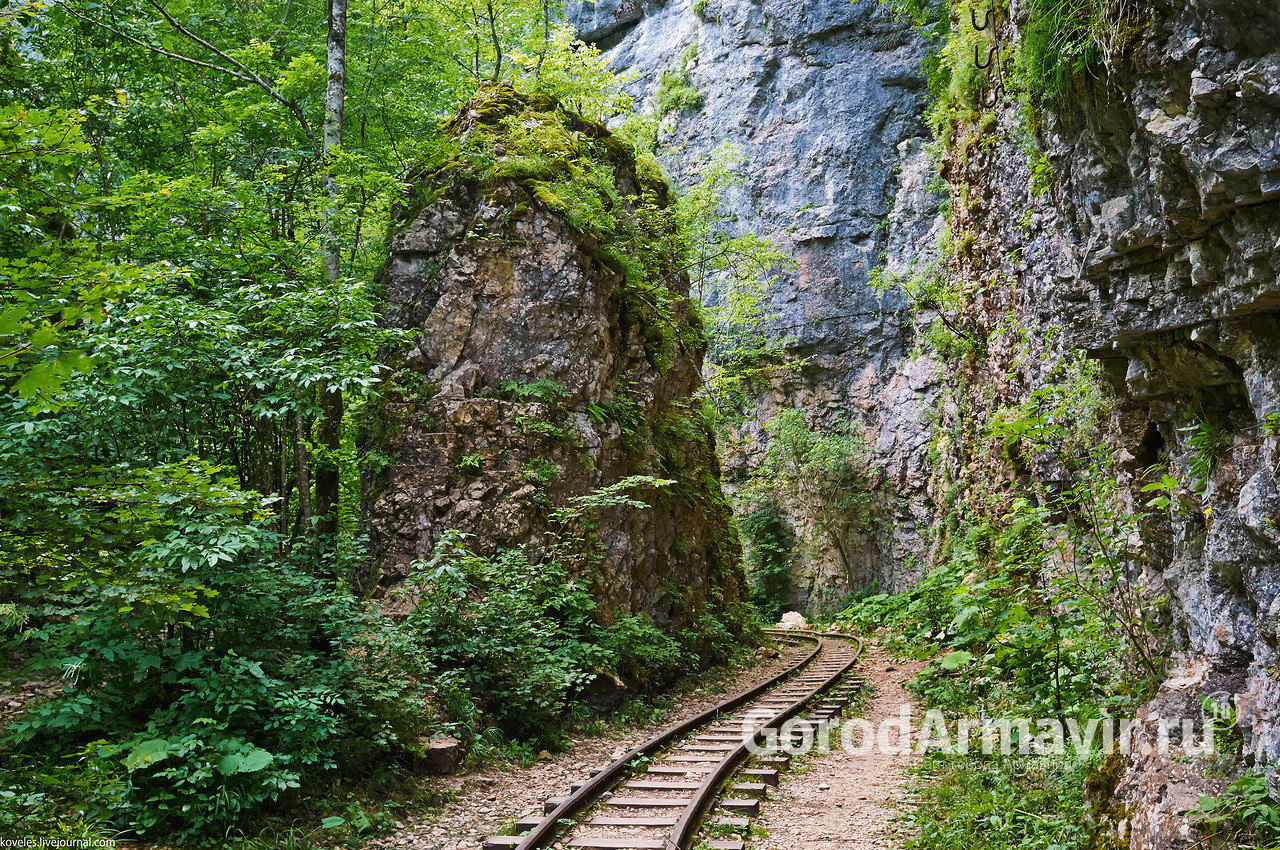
(330, 430)
(300, 470)
(334, 97)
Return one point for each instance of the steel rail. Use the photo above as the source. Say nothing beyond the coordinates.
(687, 826)
(579, 800)
(589, 793)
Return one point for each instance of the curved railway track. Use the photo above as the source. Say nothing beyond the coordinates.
(658, 795)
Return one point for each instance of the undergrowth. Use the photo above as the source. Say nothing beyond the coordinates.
(1030, 612)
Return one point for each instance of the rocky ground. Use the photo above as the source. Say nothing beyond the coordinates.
(487, 800)
(840, 801)
(15, 695)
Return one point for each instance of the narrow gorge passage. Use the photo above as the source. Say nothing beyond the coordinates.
(411, 409)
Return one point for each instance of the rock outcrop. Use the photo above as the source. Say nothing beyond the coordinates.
(824, 99)
(1156, 250)
(1170, 186)
(541, 365)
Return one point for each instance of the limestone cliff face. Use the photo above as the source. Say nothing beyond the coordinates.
(1157, 250)
(1171, 187)
(824, 99)
(535, 373)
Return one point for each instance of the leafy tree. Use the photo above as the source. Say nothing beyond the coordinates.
(826, 477)
(732, 276)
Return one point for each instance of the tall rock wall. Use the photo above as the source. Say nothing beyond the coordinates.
(535, 373)
(1170, 185)
(1156, 250)
(824, 99)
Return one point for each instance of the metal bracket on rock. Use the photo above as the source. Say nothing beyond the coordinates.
(990, 19)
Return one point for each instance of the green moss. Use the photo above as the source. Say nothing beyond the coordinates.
(1099, 793)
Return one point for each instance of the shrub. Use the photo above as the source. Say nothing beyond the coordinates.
(769, 553)
(517, 637)
(207, 676)
(640, 652)
(675, 94)
(513, 640)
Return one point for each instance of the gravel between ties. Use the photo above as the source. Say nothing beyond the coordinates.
(490, 798)
(842, 801)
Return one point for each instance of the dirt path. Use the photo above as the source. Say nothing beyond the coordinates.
(842, 801)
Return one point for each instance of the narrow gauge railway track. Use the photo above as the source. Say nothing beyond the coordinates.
(656, 796)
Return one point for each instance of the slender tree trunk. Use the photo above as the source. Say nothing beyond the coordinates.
(334, 97)
(497, 43)
(301, 471)
(330, 430)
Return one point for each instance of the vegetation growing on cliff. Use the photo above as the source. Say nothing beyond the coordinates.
(1048, 59)
(1033, 611)
(825, 479)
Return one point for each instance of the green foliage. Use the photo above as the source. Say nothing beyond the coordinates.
(67, 798)
(53, 279)
(770, 544)
(1271, 424)
(1164, 489)
(675, 92)
(256, 677)
(171, 346)
(540, 471)
(1014, 637)
(1063, 41)
(1207, 442)
(641, 652)
(471, 464)
(1001, 804)
(1061, 421)
(1244, 813)
(1033, 606)
(573, 73)
(827, 475)
(732, 276)
(544, 390)
(516, 637)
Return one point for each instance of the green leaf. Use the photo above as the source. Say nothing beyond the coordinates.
(11, 319)
(148, 753)
(332, 822)
(255, 760)
(955, 659)
(40, 378)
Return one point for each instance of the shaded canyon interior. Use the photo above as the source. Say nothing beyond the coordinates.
(1153, 246)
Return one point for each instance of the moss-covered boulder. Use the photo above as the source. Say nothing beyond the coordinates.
(553, 351)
